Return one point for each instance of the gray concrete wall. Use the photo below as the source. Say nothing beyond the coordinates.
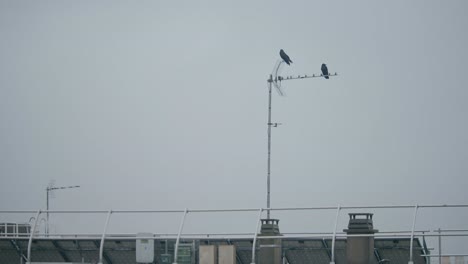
(226, 254)
(207, 254)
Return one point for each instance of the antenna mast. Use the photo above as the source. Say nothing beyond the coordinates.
(276, 81)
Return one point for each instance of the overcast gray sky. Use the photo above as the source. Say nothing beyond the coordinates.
(163, 104)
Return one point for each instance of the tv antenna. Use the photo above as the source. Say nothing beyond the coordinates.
(50, 194)
(277, 80)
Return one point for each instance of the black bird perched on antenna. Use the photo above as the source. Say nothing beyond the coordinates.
(325, 70)
(285, 57)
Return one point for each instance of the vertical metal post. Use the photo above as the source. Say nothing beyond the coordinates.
(440, 247)
(47, 208)
(270, 83)
(259, 219)
(101, 247)
(412, 234)
(338, 209)
(32, 234)
(178, 236)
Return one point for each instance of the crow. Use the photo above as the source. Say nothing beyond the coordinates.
(325, 70)
(285, 57)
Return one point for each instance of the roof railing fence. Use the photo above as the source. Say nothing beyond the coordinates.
(334, 234)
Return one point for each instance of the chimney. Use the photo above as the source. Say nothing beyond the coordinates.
(270, 249)
(360, 250)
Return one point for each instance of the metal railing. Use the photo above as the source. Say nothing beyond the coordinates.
(332, 235)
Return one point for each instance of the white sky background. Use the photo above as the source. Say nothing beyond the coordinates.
(163, 105)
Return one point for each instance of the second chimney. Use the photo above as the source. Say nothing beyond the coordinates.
(360, 249)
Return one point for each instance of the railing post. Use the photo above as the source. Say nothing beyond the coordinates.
(412, 233)
(256, 234)
(338, 209)
(178, 236)
(101, 247)
(31, 235)
(440, 246)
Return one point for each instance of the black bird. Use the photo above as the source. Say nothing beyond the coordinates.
(325, 70)
(285, 57)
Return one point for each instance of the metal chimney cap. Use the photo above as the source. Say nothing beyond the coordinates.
(360, 223)
(367, 215)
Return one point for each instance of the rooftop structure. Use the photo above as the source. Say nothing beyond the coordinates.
(360, 242)
(295, 251)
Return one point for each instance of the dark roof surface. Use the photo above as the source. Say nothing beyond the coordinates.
(296, 251)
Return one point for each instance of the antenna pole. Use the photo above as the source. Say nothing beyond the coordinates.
(270, 83)
(47, 208)
(48, 189)
(270, 124)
